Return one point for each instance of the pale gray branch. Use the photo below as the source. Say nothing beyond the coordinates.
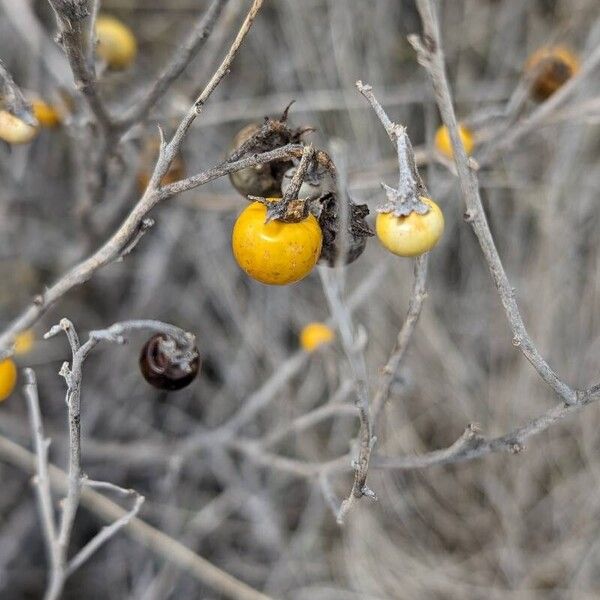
(431, 56)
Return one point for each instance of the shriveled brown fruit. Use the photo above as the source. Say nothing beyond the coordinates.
(358, 231)
(263, 180)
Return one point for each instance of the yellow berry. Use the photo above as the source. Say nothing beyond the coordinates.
(444, 144)
(14, 130)
(315, 335)
(45, 113)
(275, 253)
(24, 342)
(8, 378)
(550, 67)
(411, 235)
(117, 45)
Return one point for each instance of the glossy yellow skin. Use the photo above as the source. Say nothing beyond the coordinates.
(45, 113)
(411, 235)
(315, 335)
(15, 131)
(117, 45)
(551, 67)
(24, 342)
(8, 378)
(444, 145)
(275, 253)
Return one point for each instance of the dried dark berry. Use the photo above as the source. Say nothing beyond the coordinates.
(166, 365)
(358, 231)
(263, 180)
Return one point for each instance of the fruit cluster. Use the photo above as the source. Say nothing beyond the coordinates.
(289, 225)
(285, 249)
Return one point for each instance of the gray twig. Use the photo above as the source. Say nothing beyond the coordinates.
(74, 37)
(353, 348)
(163, 545)
(121, 240)
(407, 197)
(57, 539)
(177, 64)
(430, 55)
(42, 480)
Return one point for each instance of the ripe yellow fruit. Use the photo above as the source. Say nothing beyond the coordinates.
(411, 235)
(45, 113)
(551, 67)
(8, 378)
(275, 253)
(117, 45)
(24, 342)
(315, 335)
(14, 130)
(444, 145)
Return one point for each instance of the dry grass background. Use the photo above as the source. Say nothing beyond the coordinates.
(518, 527)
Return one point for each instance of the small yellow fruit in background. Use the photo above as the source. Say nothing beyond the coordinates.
(117, 45)
(275, 253)
(551, 67)
(14, 130)
(411, 235)
(315, 335)
(8, 378)
(45, 113)
(444, 145)
(24, 342)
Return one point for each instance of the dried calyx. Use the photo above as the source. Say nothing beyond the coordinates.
(288, 211)
(294, 206)
(337, 246)
(406, 199)
(264, 180)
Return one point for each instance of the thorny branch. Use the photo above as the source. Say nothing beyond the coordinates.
(353, 344)
(75, 482)
(407, 197)
(164, 546)
(74, 37)
(57, 538)
(184, 55)
(415, 304)
(404, 200)
(120, 241)
(430, 55)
